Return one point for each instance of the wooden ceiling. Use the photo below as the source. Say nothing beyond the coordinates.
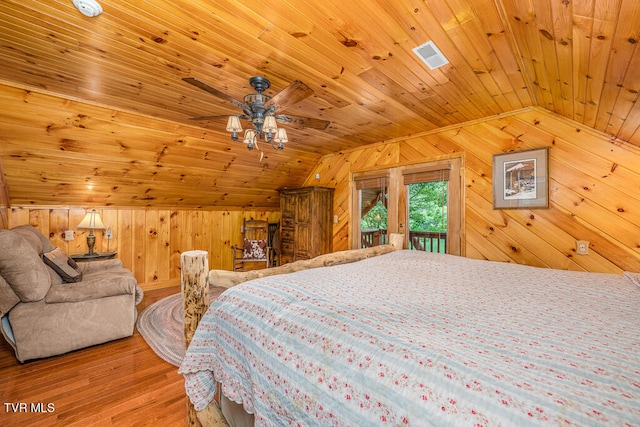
(101, 100)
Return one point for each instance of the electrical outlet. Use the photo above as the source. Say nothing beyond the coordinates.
(68, 235)
(582, 247)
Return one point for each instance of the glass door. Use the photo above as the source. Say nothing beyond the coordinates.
(372, 200)
(427, 204)
(432, 208)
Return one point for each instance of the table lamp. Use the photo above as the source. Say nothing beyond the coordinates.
(92, 221)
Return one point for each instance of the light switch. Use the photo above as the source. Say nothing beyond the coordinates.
(68, 235)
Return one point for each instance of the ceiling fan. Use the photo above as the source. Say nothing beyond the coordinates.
(261, 109)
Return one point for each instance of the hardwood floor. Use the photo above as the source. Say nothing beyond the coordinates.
(120, 383)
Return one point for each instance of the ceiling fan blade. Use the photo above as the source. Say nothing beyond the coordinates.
(226, 116)
(213, 91)
(292, 94)
(206, 117)
(304, 122)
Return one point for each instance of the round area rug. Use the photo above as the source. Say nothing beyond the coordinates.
(160, 325)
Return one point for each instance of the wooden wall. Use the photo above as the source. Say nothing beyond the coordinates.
(148, 241)
(594, 194)
(594, 190)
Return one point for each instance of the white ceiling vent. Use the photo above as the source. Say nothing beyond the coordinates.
(430, 55)
(88, 7)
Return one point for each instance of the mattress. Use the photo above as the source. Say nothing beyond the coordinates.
(416, 338)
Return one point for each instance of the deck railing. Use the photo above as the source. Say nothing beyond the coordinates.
(429, 241)
(373, 237)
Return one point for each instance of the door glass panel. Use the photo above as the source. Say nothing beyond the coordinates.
(427, 203)
(373, 216)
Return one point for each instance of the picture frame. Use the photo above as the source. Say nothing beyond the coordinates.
(521, 179)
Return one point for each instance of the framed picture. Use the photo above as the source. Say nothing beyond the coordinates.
(521, 179)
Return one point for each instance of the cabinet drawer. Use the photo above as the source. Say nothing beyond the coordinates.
(288, 222)
(287, 248)
(287, 234)
(286, 259)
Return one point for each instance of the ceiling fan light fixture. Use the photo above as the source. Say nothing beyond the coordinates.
(269, 125)
(250, 138)
(260, 110)
(281, 136)
(233, 124)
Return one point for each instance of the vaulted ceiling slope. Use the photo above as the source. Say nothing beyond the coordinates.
(101, 100)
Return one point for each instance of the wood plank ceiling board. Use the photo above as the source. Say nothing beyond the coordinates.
(106, 95)
(560, 23)
(625, 70)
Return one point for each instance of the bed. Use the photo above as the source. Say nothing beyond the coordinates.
(416, 338)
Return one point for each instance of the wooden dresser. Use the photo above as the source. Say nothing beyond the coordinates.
(306, 227)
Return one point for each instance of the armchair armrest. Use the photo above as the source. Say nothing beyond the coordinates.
(95, 287)
(97, 266)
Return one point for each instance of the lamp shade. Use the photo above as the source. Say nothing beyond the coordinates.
(233, 124)
(250, 138)
(92, 221)
(281, 136)
(269, 125)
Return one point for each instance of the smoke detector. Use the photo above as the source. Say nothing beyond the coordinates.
(88, 7)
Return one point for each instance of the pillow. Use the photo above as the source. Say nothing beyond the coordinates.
(66, 268)
(22, 267)
(254, 249)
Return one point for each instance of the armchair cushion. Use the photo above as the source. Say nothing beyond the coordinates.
(60, 262)
(22, 267)
(254, 249)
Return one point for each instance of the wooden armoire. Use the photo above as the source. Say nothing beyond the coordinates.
(306, 227)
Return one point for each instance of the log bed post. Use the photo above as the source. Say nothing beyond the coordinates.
(195, 299)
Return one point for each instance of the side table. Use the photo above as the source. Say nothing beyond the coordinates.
(95, 257)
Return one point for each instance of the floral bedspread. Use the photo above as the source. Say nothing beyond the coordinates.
(415, 338)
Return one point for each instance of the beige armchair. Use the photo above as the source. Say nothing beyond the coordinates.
(50, 305)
